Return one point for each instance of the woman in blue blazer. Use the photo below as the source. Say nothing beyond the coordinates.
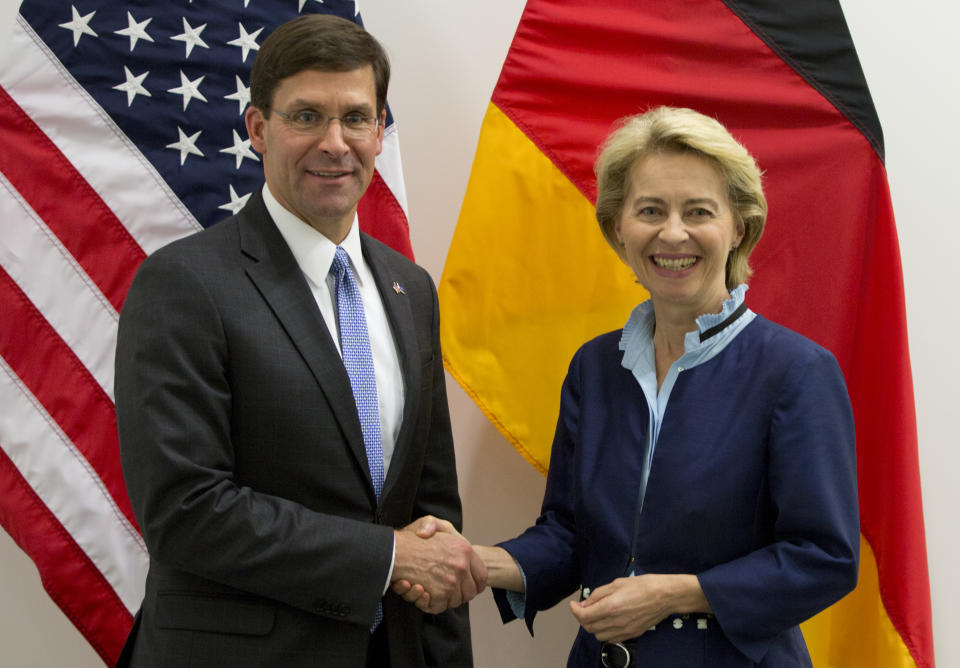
(702, 486)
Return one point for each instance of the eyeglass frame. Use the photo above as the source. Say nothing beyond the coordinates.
(355, 133)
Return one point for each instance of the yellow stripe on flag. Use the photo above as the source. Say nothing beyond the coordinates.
(856, 631)
(528, 271)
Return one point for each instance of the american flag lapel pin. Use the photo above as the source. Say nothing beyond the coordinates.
(398, 288)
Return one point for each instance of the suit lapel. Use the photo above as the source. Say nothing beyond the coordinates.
(397, 306)
(273, 269)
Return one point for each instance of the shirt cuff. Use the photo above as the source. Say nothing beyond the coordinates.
(516, 599)
(393, 559)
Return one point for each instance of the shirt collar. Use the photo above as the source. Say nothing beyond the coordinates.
(636, 341)
(725, 317)
(312, 250)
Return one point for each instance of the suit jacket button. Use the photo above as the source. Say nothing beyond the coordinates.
(678, 623)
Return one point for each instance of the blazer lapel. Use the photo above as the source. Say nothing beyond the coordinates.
(276, 274)
(397, 306)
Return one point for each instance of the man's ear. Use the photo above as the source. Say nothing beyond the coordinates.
(256, 129)
(380, 128)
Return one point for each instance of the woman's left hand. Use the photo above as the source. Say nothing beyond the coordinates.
(627, 607)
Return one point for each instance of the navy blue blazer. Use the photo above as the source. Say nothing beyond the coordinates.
(752, 488)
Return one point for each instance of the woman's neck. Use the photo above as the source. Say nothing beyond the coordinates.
(668, 346)
(670, 331)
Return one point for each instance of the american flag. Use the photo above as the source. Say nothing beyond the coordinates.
(122, 130)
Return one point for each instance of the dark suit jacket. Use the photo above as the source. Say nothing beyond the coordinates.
(244, 460)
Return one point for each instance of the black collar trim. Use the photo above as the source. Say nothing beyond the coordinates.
(716, 329)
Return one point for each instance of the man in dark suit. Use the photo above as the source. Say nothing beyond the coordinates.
(281, 403)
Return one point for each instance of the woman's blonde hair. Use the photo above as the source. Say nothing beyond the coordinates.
(669, 129)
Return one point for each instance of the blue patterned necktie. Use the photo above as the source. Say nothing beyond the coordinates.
(358, 360)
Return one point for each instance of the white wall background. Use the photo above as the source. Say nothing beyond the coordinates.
(446, 56)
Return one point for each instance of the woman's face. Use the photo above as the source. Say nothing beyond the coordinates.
(677, 229)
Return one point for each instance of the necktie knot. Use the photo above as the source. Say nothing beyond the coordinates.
(341, 262)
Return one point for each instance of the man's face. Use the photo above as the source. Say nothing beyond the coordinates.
(319, 175)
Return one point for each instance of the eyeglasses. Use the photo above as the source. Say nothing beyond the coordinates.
(308, 122)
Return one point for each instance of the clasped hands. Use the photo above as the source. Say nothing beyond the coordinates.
(435, 567)
(627, 607)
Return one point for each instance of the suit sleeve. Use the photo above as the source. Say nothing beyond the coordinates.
(173, 402)
(547, 552)
(447, 635)
(813, 487)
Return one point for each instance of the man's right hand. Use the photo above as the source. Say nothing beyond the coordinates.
(435, 567)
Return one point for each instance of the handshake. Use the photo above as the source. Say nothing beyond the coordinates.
(435, 567)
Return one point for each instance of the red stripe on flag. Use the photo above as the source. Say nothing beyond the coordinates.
(63, 385)
(881, 391)
(382, 217)
(698, 55)
(71, 208)
(68, 575)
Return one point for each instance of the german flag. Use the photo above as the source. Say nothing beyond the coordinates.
(529, 278)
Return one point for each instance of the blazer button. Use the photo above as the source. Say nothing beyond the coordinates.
(678, 623)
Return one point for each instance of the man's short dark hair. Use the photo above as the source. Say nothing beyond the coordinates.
(316, 42)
